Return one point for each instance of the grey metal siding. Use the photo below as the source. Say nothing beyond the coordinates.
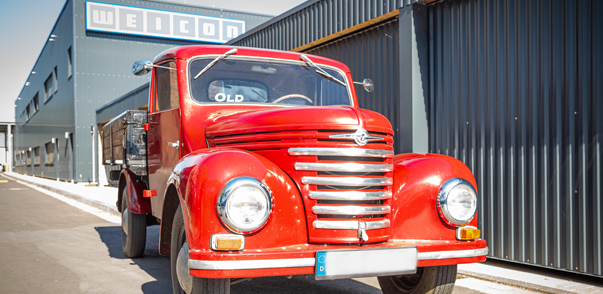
(516, 94)
(372, 53)
(103, 63)
(314, 20)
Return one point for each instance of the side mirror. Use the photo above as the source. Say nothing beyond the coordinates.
(368, 85)
(142, 67)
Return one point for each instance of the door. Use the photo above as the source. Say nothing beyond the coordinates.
(163, 136)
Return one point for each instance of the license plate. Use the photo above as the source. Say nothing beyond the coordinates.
(340, 264)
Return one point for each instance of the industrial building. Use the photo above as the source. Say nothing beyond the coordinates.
(86, 63)
(511, 88)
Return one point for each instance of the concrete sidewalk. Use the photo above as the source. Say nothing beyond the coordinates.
(508, 273)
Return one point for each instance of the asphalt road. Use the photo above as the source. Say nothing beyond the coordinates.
(48, 246)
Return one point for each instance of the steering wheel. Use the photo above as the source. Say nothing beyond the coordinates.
(292, 96)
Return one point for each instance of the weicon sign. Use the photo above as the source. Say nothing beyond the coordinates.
(129, 20)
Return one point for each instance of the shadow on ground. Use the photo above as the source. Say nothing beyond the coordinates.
(158, 267)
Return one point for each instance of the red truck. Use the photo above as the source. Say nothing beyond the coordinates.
(259, 163)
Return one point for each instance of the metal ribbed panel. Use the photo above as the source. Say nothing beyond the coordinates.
(372, 53)
(516, 95)
(314, 20)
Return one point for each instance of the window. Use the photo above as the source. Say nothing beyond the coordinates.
(49, 87)
(28, 157)
(36, 105)
(166, 87)
(27, 113)
(56, 79)
(69, 64)
(36, 153)
(49, 153)
(18, 159)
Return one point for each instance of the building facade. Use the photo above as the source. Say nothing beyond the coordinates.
(86, 63)
(511, 88)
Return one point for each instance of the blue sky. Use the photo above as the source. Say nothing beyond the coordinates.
(26, 25)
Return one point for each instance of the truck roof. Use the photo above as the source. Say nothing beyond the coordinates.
(187, 52)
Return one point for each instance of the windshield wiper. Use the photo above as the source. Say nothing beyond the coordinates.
(320, 70)
(229, 52)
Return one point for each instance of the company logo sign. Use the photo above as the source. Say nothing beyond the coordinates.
(120, 19)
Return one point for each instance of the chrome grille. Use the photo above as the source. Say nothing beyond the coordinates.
(348, 184)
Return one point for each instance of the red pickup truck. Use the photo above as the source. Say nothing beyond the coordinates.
(259, 163)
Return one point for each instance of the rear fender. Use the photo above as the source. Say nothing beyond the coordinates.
(200, 177)
(417, 179)
(136, 202)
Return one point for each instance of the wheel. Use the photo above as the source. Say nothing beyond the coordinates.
(133, 229)
(182, 281)
(292, 96)
(432, 279)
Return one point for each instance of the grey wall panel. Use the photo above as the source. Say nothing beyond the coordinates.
(103, 63)
(314, 20)
(56, 114)
(372, 53)
(516, 95)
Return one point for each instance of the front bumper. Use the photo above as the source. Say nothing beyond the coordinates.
(301, 259)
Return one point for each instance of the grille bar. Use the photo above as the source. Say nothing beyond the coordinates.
(347, 181)
(351, 210)
(354, 152)
(344, 167)
(350, 195)
(350, 225)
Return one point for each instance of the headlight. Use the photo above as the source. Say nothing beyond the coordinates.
(457, 202)
(244, 205)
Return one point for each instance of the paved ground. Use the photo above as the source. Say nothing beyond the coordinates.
(69, 241)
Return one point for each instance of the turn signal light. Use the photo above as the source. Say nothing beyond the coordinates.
(467, 233)
(227, 242)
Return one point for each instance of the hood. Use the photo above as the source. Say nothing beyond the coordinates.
(289, 119)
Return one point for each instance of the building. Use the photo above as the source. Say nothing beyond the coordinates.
(86, 62)
(511, 88)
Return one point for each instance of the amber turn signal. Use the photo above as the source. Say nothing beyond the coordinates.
(467, 233)
(227, 242)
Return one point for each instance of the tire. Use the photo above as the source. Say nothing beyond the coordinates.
(432, 279)
(133, 229)
(179, 249)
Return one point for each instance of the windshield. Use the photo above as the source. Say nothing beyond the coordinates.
(237, 81)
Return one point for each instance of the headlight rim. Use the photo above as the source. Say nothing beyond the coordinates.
(222, 200)
(442, 201)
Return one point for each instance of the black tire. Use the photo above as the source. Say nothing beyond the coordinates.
(133, 229)
(432, 279)
(198, 285)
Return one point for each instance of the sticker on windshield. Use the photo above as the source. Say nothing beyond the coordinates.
(221, 97)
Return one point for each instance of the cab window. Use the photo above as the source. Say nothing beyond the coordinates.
(166, 87)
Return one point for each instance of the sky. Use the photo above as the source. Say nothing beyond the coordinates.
(26, 25)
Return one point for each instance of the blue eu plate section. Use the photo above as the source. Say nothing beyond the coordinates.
(341, 264)
(321, 258)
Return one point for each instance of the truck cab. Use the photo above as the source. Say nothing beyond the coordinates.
(260, 163)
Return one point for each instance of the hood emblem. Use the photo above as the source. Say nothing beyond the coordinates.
(361, 137)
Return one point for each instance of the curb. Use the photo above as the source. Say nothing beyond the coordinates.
(110, 209)
(514, 283)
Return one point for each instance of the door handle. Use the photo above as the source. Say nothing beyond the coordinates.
(175, 144)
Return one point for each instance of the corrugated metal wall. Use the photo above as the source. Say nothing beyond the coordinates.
(372, 53)
(517, 95)
(315, 20)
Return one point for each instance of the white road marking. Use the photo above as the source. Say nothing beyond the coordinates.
(89, 209)
(489, 287)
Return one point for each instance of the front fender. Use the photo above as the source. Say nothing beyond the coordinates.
(417, 179)
(200, 177)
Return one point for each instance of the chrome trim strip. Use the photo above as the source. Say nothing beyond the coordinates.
(351, 210)
(344, 167)
(350, 195)
(341, 152)
(347, 181)
(453, 254)
(218, 265)
(350, 225)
